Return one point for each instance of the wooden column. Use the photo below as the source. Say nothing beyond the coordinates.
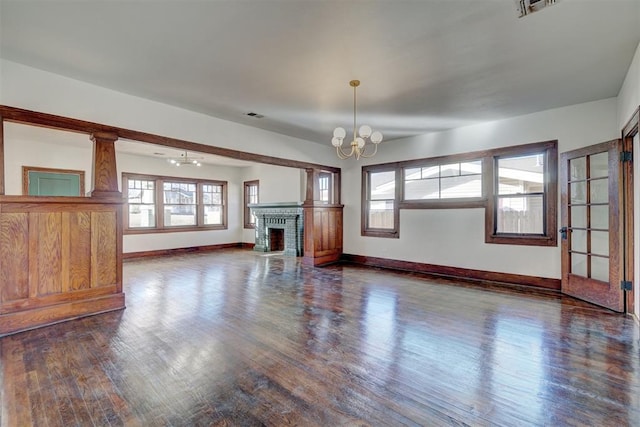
(105, 175)
(322, 226)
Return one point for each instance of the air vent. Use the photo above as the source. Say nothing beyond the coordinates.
(527, 7)
(255, 115)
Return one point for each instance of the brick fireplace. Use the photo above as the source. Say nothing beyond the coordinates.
(276, 222)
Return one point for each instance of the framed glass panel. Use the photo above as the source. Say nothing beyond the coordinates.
(600, 268)
(578, 168)
(599, 190)
(599, 165)
(381, 214)
(600, 217)
(520, 215)
(579, 264)
(578, 192)
(600, 242)
(579, 216)
(579, 240)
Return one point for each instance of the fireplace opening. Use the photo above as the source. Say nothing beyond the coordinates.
(276, 239)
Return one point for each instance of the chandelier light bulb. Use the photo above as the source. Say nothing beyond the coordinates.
(360, 142)
(339, 133)
(336, 142)
(376, 137)
(365, 131)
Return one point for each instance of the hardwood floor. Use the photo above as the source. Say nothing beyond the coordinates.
(243, 338)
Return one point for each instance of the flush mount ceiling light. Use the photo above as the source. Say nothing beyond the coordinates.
(527, 7)
(359, 144)
(185, 159)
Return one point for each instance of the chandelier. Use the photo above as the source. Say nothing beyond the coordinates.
(359, 144)
(185, 159)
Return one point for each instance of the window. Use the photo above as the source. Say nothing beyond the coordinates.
(38, 181)
(179, 204)
(380, 210)
(141, 199)
(324, 187)
(251, 189)
(522, 207)
(213, 204)
(517, 186)
(163, 204)
(446, 181)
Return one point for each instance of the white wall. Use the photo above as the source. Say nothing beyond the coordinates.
(33, 89)
(629, 96)
(455, 237)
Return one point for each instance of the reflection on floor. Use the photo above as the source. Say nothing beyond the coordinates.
(235, 338)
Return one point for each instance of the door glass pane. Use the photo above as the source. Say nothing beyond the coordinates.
(578, 168)
(600, 242)
(600, 268)
(600, 217)
(579, 216)
(579, 240)
(579, 264)
(578, 192)
(598, 165)
(600, 190)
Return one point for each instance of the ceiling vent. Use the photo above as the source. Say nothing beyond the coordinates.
(255, 115)
(527, 7)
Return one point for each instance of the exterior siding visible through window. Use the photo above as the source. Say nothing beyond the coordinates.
(158, 204)
(251, 196)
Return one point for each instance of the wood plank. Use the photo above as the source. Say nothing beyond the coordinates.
(103, 248)
(14, 256)
(80, 250)
(49, 258)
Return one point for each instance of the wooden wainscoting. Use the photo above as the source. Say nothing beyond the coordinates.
(322, 233)
(60, 258)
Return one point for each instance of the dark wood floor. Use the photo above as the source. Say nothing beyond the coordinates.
(240, 338)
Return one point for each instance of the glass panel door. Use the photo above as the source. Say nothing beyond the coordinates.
(591, 269)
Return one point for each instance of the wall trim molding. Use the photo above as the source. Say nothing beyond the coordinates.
(188, 250)
(455, 272)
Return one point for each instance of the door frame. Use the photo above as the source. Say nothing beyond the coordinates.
(628, 132)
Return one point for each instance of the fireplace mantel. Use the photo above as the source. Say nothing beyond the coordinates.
(287, 216)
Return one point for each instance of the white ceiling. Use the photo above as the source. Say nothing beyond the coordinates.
(424, 65)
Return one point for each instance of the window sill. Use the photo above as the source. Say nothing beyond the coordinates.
(389, 234)
(521, 239)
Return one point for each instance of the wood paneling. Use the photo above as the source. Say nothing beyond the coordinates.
(14, 256)
(1, 155)
(105, 175)
(57, 258)
(322, 233)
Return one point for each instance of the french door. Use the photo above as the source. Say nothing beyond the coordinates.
(591, 233)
